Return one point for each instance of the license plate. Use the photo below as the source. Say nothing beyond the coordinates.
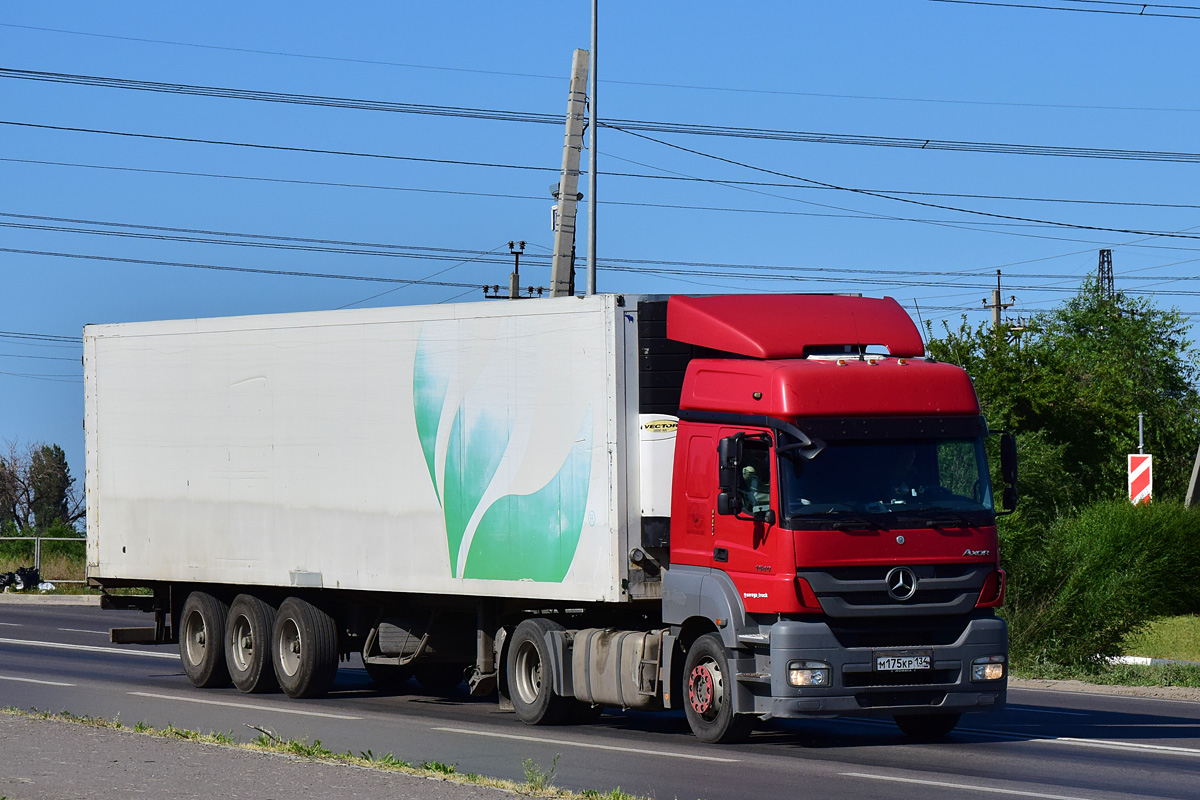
(902, 662)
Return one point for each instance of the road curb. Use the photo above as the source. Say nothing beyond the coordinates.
(1178, 693)
(17, 598)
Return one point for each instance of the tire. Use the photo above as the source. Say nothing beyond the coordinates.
(708, 684)
(927, 727)
(530, 684)
(439, 679)
(202, 640)
(304, 649)
(248, 644)
(388, 678)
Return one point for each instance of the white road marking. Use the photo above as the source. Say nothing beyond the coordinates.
(87, 648)
(1029, 710)
(1104, 744)
(565, 743)
(967, 787)
(34, 680)
(81, 630)
(11, 624)
(244, 706)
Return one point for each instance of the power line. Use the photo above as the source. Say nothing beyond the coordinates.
(691, 129)
(287, 148)
(1130, 13)
(642, 176)
(906, 199)
(606, 82)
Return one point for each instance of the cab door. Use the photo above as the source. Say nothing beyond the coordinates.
(746, 541)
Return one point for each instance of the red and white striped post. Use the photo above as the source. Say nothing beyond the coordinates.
(1141, 479)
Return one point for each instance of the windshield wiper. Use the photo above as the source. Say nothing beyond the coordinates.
(850, 518)
(932, 522)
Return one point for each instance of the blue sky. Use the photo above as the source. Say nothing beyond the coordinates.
(903, 68)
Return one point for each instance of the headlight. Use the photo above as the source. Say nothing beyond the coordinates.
(987, 668)
(808, 673)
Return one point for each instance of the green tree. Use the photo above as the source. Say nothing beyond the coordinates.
(50, 481)
(1071, 384)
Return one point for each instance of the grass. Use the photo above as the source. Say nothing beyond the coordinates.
(1156, 676)
(537, 784)
(1176, 638)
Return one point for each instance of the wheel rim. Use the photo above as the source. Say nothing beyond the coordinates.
(195, 638)
(528, 680)
(706, 690)
(243, 643)
(289, 647)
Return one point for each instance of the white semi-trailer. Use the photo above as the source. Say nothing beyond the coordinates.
(493, 492)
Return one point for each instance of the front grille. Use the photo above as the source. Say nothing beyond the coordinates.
(928, 677)
(885, 699)
(862, 591)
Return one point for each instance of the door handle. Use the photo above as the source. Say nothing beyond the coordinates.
(720, 554)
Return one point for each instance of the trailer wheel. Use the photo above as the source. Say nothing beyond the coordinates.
(708, 686)
(388, 678)
(304, 649)
(439, 679)
(202, 640)
(927, 727)
(248, 644)
(530, 683)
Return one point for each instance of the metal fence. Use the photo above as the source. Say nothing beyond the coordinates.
(37, 552)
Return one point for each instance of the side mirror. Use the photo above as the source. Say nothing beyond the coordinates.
(1008, 471)
(729, 454)
(728, 503)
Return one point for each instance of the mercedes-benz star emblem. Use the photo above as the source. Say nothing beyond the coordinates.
(901, 583)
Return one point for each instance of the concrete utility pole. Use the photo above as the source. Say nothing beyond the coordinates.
(568, 184)
(1190, 500)
(996, 306)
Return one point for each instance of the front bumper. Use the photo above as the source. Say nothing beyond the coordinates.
(855, 688)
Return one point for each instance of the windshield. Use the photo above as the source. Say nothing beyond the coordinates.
(926, 477)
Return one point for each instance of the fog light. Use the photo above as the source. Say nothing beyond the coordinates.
(808, 673)
(987, 668)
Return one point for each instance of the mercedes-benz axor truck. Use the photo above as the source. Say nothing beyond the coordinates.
(749, 507)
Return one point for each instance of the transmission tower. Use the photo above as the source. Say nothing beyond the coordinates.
(1104, 275)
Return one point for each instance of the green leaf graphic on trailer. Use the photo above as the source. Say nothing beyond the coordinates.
(429, 395)
(534, 536)
(476, 447)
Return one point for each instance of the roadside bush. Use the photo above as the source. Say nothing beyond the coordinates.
(1081, 583)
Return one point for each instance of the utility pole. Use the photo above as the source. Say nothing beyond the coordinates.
(996, 306)
(592, 126)
(1190, 500)
(568, 184)
(514, 280)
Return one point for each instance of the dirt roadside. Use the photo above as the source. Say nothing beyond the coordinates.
(49, 760)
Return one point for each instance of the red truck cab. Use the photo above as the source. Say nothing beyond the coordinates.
(832, 512)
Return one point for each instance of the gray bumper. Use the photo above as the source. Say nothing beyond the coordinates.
(857, 689)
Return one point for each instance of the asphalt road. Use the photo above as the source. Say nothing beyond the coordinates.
(1046, 745)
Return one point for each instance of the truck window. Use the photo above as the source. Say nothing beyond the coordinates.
(755, 485)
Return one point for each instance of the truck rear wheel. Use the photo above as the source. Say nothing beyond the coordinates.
(927, 727)
(708, 687)
(304, 649)
(202, 640)
(530, 682)
(248, 644)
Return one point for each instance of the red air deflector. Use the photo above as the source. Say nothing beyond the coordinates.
(783, 326)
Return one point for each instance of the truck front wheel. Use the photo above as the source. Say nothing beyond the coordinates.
(304, 649)
(248, 644)
(530, 681)
(708, 688)
(202, 640)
